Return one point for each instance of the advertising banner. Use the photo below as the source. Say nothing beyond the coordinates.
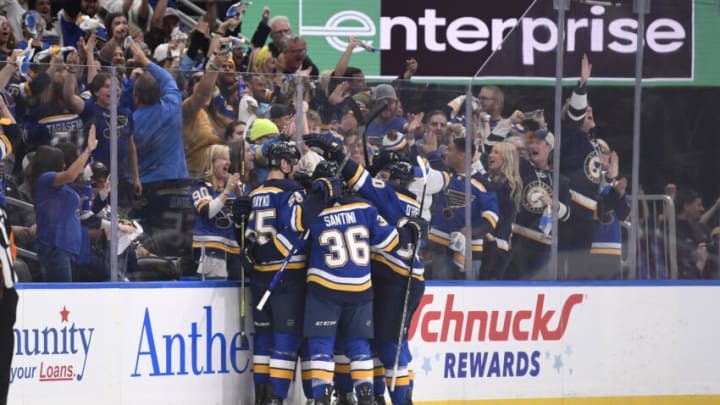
(606, 343)
(171, 343)
(606, 34)
(130, 346)
(453, 38)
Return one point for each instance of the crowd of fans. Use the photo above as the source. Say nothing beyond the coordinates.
(195, 107)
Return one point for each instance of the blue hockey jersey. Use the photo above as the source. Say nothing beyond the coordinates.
(214, 233)
(339, 258)
(608, 233)
(537, 182)
(507, 211)
(394, 203)
(274, 227)
(581, 164)
(448, 213)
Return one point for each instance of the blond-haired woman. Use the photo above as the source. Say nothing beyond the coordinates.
(504, 173)
(214, 246)
(261, 60)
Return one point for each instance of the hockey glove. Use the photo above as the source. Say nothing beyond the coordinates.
(417, 229)
(241, 208)
(330, 188)
(326, 145)
(382, 159)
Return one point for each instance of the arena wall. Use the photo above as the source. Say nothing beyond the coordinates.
(543, 343)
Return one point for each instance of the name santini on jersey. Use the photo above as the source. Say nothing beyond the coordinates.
(341, 218)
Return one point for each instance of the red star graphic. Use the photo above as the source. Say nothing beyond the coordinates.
(64, 314)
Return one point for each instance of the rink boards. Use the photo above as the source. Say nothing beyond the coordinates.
(544, 343)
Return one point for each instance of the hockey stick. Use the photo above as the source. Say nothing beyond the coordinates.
(243, 337)
(273, 283)
(406, 299)
(241, 163)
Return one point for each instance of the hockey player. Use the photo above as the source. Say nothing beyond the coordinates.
(390, 276)
(340, 292)
(272, 230)
(389, 270)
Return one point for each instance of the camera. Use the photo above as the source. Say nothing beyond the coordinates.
(225, 47)
(536, 114)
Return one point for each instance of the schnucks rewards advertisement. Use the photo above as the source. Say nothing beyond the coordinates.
(453, 38)
(171, 343)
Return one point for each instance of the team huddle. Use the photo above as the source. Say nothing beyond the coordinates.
(333, 255)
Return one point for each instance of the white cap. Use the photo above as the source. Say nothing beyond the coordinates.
(163, 52)
(394, 141)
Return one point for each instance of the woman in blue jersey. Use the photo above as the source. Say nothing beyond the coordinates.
(214, 246)
(96, 110)
(57, 207)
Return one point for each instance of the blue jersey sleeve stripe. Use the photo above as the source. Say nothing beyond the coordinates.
(446, 179)
(478, 185)
(390, 242)
(358, 174)
(490, 217)
(280, 247)
(297, 219)
(202, 203)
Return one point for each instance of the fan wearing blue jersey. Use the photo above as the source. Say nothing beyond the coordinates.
(532, 229)
(581, 162)
(340, 290)
(448, 218)
(214, 246)
(272, 229)
(96, 111)
(604, 262)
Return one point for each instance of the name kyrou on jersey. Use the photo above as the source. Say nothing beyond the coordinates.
(52, 352)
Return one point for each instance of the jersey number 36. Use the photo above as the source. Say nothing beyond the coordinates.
(350, 244)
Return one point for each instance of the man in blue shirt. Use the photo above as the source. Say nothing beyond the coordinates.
(157, 125)
(387, 120)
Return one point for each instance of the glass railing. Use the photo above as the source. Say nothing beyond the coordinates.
(168, 122)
